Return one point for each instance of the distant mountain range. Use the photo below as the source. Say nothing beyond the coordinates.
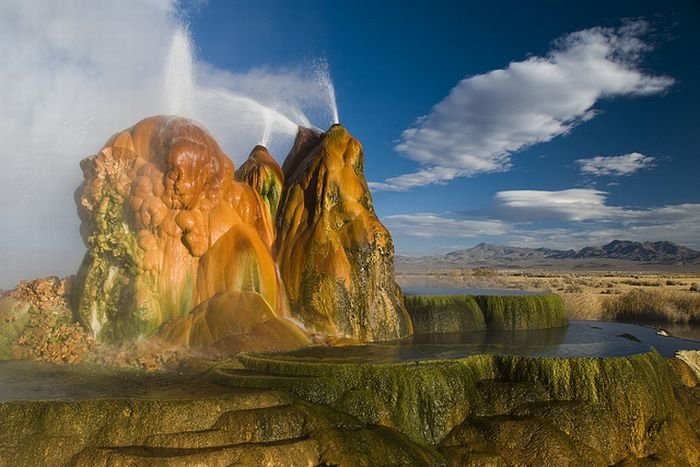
(619, 254)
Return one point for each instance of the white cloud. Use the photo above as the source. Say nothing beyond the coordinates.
(76, 72)
(555, 219)
(429, 225)
(625, 164)
(584, 204)
(488, 117)
(575, 204)
(428, 176)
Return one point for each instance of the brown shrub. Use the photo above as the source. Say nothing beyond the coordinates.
(583, 306)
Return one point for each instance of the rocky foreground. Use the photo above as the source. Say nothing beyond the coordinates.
(479, 410)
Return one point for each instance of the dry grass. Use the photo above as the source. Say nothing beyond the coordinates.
(583, 306)
(659, 306)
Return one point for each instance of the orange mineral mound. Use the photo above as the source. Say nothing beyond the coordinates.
(167, 230)
(262, 172)
(335, 256)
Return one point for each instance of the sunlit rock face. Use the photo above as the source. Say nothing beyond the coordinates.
(335, 257)
(262, 172)
(167, 229)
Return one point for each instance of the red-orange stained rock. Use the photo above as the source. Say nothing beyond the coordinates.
(167, 228)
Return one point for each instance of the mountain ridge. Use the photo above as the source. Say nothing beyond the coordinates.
(615, 252)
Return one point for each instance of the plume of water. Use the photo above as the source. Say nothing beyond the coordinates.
(324, 80)
(267, 129)
(179, 83)
(234, 118)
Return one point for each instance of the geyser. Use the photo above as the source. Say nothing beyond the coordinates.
(181, 246)
(179, 85)
(217, 106)
(324, 79)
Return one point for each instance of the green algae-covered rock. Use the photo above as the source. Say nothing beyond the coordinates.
(241, 428)
(14, 316)
(444, 314)
(513, 312)
(438, 314)
(562, 406)
(283, 410)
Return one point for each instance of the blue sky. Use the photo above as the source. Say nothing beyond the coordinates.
(623, 162)
(558, 124)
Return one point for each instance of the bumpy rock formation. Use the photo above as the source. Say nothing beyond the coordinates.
(168, 229)
(262, 172)
(335, 257)
(36, 323)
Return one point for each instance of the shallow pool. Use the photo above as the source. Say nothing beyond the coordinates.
(579, 339)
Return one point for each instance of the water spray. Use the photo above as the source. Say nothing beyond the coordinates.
(267, 128)
(179, 83)
(324, 80)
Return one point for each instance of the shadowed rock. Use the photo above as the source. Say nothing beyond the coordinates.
(335, 256)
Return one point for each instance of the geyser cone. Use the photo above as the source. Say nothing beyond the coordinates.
(169, 230)
(262, 172)
(335, 256)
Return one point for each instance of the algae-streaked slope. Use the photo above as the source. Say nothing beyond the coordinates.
(262, 172)
(459, 313)
(429, 400)
(514, 312)
(335, 256)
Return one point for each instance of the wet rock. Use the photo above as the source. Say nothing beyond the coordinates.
(248, 428)
(167, 229)
(262, 172)
(335, 256)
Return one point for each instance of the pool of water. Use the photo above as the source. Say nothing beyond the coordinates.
(579, 339)
(29, 380)
(462, 291)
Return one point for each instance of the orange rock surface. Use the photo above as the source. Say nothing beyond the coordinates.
(262, 172)
(335, 256)
(167, 229)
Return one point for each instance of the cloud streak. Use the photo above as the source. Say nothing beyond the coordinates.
(429, 225)
(626, 164)
(487, 118)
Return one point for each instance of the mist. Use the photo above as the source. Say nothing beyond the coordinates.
(76, 72)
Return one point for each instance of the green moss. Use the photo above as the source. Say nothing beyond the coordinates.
(436, 314)
(14, 317)
(444, 314)
(237, 428)
(513, 312)
(104, 294)
(427, 399)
